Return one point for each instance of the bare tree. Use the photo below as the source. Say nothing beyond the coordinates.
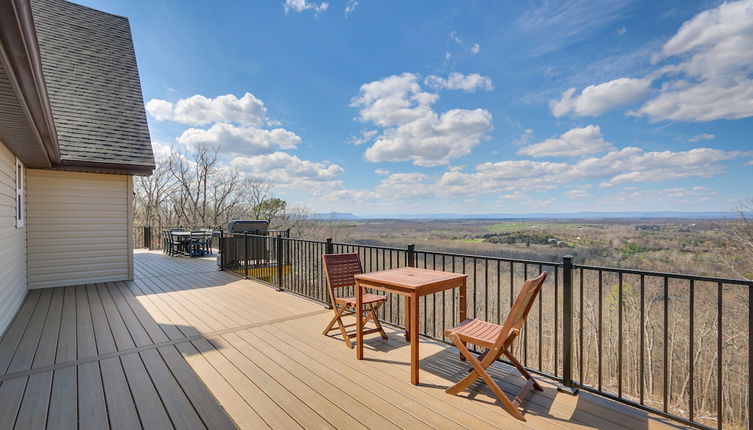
(738, 252)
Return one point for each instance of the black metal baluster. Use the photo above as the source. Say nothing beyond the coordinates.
(619, 335)
(486, 289)
(498, 302)
(581, 353)
(643, 338)
(666, 346)
(541, 326)
(599, 327)
(557, 321)
(691, 350)
(525, 326)
(719, 371)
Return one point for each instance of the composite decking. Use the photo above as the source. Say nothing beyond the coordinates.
(186, 346)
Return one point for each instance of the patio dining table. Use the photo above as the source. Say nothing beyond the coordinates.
(185, 238)
(412, 283)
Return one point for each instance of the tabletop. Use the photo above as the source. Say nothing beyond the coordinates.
(410, 278)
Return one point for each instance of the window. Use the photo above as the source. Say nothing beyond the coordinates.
(19, 193)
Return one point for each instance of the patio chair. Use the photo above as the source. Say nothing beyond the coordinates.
(168, 244)
(497, 339)
(340, 270)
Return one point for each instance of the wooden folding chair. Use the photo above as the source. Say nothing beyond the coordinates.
(497, 339)
(340, 270)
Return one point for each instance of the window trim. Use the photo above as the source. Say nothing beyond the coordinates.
(20, 194)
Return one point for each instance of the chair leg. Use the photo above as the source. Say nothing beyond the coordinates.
(337, 319)
(378, 325)
(338, 314)
(523, 370)
(480, 371)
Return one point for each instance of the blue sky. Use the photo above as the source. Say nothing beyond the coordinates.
(380, 107)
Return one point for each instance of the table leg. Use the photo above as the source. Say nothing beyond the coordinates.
(462, 306)
(407, 318)
(414, 357)
(359, 323)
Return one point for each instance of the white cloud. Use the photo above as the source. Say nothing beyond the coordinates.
(366, 136)
(457, 81)
(287, 170)
(304, 5)
(525, 138)
(594, 100)
(350, 7)
(161, 150)
(455, 38)
(699, 137)
(628, 165)
(241, 140)
(413, 130)
(714, 77)
(382, 172)
(475, 49)
(574, 142)
(200, 110)
(578, 194)
(622, 30)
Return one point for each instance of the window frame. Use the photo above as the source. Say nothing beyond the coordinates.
(20, 194)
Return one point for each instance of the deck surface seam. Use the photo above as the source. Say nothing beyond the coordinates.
(157, 345)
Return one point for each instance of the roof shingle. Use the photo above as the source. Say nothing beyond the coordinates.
(93, 83)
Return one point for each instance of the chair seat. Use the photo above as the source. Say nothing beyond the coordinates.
(368, 298)
(477, 332)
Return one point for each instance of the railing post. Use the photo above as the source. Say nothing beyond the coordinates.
(567, 385)
(148, 237)
(280, 263)
(329, 248)
(245, 255)
(411, 255)
(221, 251)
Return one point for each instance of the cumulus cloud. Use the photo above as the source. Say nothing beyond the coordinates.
(457, 81)
(702, 136)
(578, 194)
(595, 100)
(413, 131)
(475, 49)
(707, 75)
(241, 140)
(574, 142)
(200, 110)
(350, 7)
(286, 170)
(304, 5)
(366, 136)
(628, 165)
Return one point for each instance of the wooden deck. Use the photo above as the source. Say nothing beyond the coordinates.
(186, 346)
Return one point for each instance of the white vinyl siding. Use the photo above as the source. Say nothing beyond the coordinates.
(13, 249)
(78, 228)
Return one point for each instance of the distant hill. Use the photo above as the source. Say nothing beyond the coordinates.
(334, 215)
(566, 215)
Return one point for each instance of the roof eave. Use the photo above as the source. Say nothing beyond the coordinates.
(22, 61)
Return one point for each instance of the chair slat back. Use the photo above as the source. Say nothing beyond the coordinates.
(521, 307)
(340, 270)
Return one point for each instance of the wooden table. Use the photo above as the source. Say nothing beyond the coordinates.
(412, 283)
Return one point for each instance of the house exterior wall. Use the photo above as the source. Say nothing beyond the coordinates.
(79, 228)
(13, 249)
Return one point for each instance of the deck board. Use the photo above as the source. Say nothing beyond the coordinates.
(187, 346)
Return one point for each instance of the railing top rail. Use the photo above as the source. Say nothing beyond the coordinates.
(489, 257)
(699, 278)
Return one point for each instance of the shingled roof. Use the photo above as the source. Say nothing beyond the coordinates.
(90, 72)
